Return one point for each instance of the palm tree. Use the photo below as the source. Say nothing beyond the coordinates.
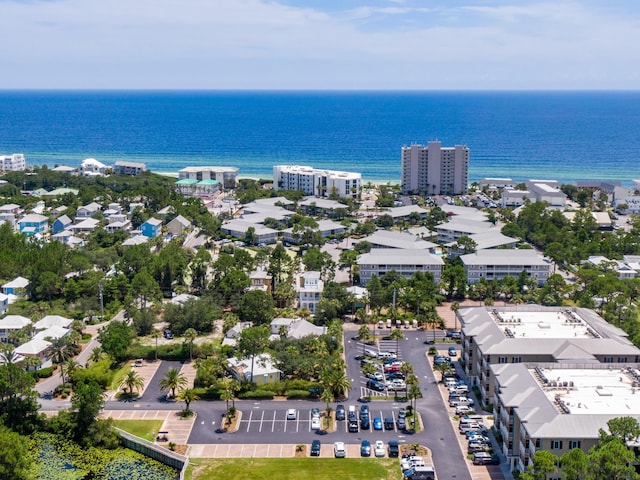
(443, 368)
(336, 380)
(369, 369)
(173, 379)
(58, 352)
(406, 369)
(188, 395)
(156, 334)
(32, 362)
(413, 393)
(397, 334)
(227, 391)
(97, 354)
(327, 396)
(132, 380)
(455, 306)
(9, 356)
(73, 338)
(190, 335)
(71, 366)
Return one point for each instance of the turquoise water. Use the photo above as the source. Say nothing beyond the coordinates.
(559, 135)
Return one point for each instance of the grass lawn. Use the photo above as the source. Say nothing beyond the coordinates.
(118, 376)
(147, 429)
(294, 469)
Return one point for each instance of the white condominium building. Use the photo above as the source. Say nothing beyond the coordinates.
(321, 183)
(435, 170)
(13, 163)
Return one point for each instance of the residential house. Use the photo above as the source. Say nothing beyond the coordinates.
(326, 228)
(61, 223)
(87, 211)
(260, 280)
(33, 224)
(232, 335)
(91, 167)
(309, 288)
(295, 328)
(151, 228)
(37, 348)
(49, 321)
(67, 237)
(401, 240)
(85, 226)
(4, 303)
(178, 225)
(17, 287)
(135, 240)
(238, 228)
(259, 370)
(11, 323)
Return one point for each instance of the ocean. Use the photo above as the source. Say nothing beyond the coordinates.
(566, 136)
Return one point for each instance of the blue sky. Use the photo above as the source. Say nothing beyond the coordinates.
(320, 44)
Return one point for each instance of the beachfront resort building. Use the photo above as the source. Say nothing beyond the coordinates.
(321, 183)
(558, 407)
(13, 163)
(435, 170)
(536, 334)
(225, 176)
(405, 262)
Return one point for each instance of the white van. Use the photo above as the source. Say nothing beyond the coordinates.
(471, 419)
(467, 427)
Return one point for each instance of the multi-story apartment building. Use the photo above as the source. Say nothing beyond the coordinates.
(405, 262)
(536, 334)
(497, 264)
(309, 288)
(12, 163)
(435, 170)
(226, 176)
(128, 168)
(321, 183)
(558, 407)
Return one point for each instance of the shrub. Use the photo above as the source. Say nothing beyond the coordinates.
(207, 393)
(44, 372)
(433, 351)
(86, 336)
(298, 394)
(257, 394)
(63, 396)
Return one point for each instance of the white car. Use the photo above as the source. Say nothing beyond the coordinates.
(291, 414)
(339, 450)
(379, 448)
(315, 423)
(464, 410)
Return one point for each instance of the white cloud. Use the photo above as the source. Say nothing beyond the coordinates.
(265, 44)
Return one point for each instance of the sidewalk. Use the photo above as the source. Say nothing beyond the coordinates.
(189, 371)
(146, 371)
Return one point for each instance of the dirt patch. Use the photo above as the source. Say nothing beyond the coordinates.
(301, 451)
(233, 424)
(414, 449)
(181, 449)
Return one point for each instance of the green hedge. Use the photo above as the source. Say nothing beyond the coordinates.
(207, 393)
(44, 372)
(298, 394)
(257, 394)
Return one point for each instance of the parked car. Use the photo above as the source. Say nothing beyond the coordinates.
(452, 352)
(402, 423)
(485, 458)
(379, 450)
(397, 385)
(291, 414)
(340, 412)
(315, 412)
(364, 409)
(394, 449)
(454, 334)
(377, 423)
(370, 353)
(365, 448)
(167, 334)
(459, 389)
(402, 413)
(395, 376)
(339, 450)
(375, 376)
(464, 410)
(364, 421)
(315, 448)
(353, 427)
(375, 385)
(455, 401)
(315, 423)
(389, 424)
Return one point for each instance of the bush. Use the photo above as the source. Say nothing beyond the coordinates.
(433, 351)
(86, 336)
(44, 372)
(99, 372)
(257, 394)
(207, 393)
(298, 394)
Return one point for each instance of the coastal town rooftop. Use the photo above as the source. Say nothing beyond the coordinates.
(543, 324)
(589, 391)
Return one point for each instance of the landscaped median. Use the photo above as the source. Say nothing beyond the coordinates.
(294, 468)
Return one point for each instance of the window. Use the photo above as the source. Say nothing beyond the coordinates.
(538, 444)
(556, 444)
(622, 359)
(517, 359)
(574, 444)
(608, 359)
(502, 359)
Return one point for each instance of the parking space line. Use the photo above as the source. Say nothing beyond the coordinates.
(286, 420)
(273, 424)
(297, 422)
(261, 419)
(249, 422)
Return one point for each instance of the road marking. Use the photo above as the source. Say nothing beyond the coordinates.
(261, 419)
(273, 424)
(297, 423)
